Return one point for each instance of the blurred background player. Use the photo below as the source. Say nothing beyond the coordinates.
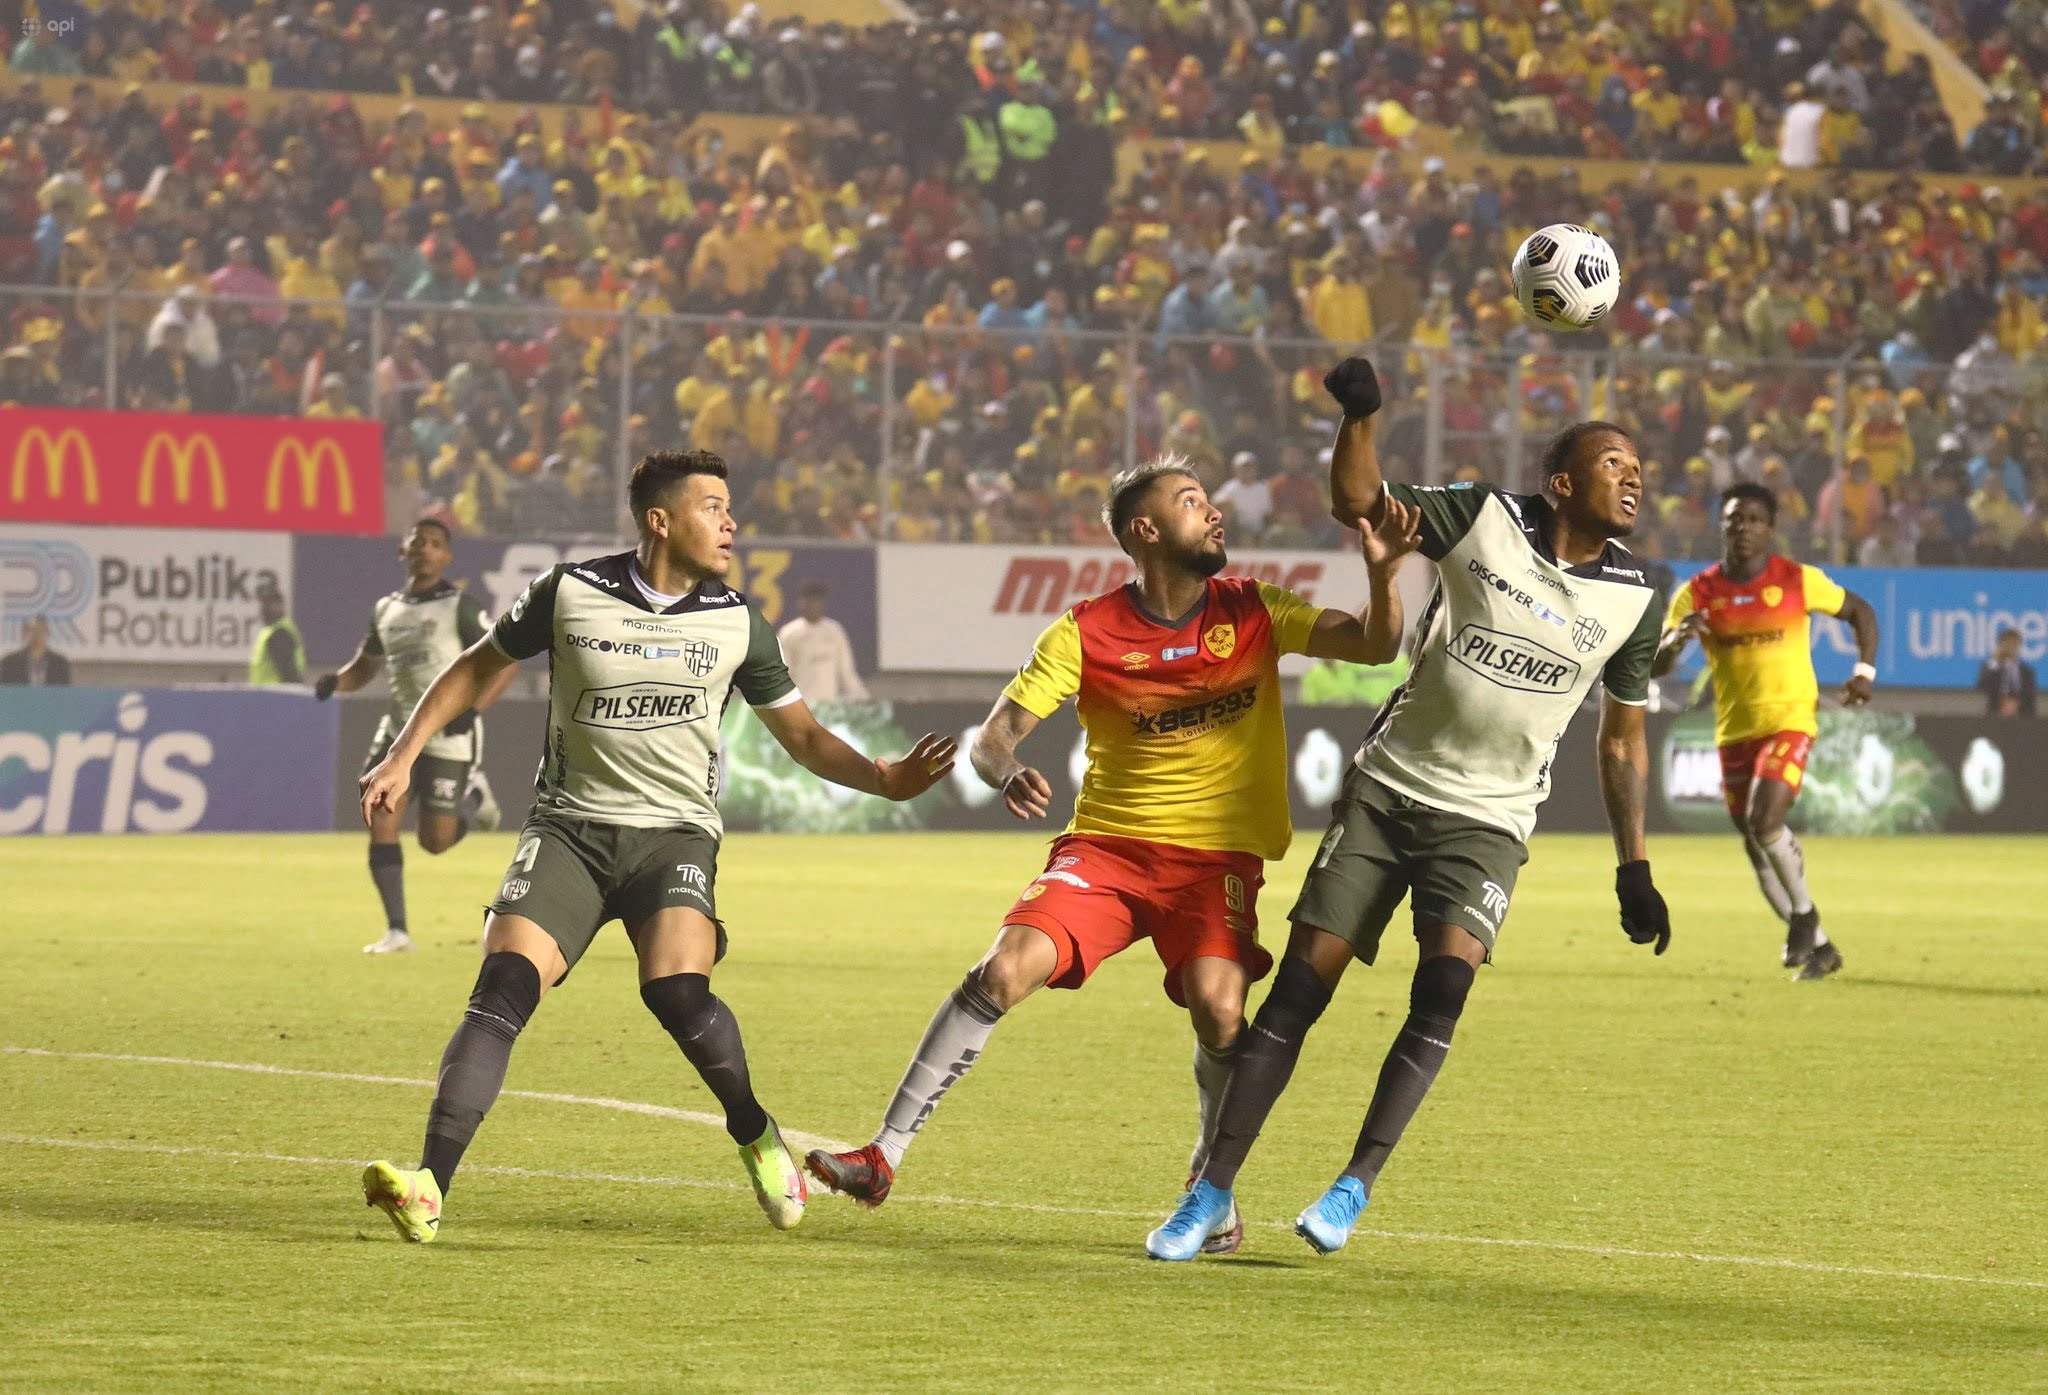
(818, 652)
(1177, 685)
(1750, 612)
(417, 632)
(645, 648)
(1534, 602)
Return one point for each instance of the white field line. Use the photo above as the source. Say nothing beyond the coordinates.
(663, 1111)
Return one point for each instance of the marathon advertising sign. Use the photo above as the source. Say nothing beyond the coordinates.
(140, 595)
(976, 608)
(342, 577)
(1937, 625)
(165, 760)
(164, 469)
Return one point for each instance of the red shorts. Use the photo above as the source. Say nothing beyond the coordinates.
(1099, 895)
(1781, 756)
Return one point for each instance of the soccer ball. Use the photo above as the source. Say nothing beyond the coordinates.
(1566, 277)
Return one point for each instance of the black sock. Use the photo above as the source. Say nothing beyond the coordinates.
(473, 1067)
(387, 870)
(1266, 1055)
(1418, 1053)
(710, 1037)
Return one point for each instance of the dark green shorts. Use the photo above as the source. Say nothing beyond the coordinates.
(570, 876)
(1383, 845)
(438, 782)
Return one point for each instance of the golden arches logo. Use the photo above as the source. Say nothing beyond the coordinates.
(198, 448)
(56, 450)
(309, 461)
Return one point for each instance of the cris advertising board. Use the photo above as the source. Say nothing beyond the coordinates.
(139, 594)
(163, 469)
(976, 608)
(163, 760)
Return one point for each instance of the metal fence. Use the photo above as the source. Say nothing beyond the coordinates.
(533, 411)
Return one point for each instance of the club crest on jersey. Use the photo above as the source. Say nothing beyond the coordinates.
(699, 656)
(1588, 634)
(1773, 594)
(1221, 640)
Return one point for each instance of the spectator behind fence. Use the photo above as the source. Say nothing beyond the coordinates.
(819, 655)
(37, 665)
(2006, 680)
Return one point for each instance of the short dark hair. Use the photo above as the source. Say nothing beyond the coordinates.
(662, 470)
(1750, 489)
(447, 533)
(813, 588)
(1564, 446)
(1127, 487)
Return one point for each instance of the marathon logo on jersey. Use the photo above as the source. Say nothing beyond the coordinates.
(1512, 661)
(1524, 599)
(641, 706)
(1197, 715)
(653, 628)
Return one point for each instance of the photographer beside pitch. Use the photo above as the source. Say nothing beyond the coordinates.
(1534, 601)
(645, 648)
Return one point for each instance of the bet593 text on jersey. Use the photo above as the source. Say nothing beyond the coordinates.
(1506, 649)
(636, 693)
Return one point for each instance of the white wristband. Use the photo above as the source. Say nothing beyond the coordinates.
(1868, 671)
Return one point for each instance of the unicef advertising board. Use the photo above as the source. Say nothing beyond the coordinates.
(165, 760)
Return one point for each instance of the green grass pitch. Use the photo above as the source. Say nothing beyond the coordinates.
(1634, 1175)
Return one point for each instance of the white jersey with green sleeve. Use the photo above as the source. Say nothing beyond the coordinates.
(635, 693)
(418, 634)
(1505, 651)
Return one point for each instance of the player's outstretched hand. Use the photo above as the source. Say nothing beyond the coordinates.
(384, 786)
(1027, 794)
(1355, 386)
(1644, 918)
(925, 766)
(1398, 534)
(324, 686)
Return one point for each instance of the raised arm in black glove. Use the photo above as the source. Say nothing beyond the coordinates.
(1355, 386)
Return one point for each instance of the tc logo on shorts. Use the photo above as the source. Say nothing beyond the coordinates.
(514, 888)
(1495, 899)
(1512, 661)
(444, 789)
(641, 706)
(1588, 634)
(692, 878)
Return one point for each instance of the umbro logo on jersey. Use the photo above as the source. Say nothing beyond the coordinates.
(1135, 660)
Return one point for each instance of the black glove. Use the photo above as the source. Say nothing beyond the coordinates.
(324, 686)
(1355, 386)
(1644, 918)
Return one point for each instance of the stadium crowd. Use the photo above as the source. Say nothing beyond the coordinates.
(524, 307)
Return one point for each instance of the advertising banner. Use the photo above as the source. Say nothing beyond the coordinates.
(340, 578)
(139, 595)
(976, 608)
(180, 469)
(165, 760)
(1936, 625)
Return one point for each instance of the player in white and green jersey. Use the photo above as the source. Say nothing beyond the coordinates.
(1534, 603)
(644, 649)
(415, 632)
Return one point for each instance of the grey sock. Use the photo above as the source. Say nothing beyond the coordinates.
(1767, 880)
(473, 1066)
(1212, 1073)
(704, 1027)
(387, 870)
(1788, 860)
(958, 1032)
(1412, 1064)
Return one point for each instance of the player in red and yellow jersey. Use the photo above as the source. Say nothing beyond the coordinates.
(1750, 612)
(1177, 685)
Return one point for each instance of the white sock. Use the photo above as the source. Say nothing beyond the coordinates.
(958, 1032)
(1789, 862)
(1767, 881)
(1212, 1073)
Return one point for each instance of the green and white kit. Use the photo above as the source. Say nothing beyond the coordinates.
(418, 634)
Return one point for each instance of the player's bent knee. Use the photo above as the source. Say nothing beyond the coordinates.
(1006, 978)
(1298, 998)
(1761, 827)
(680, 1002)
(507, 992)
(1440, 987)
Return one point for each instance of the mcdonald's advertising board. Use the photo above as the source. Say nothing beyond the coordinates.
(140, 595)
(180, 470)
